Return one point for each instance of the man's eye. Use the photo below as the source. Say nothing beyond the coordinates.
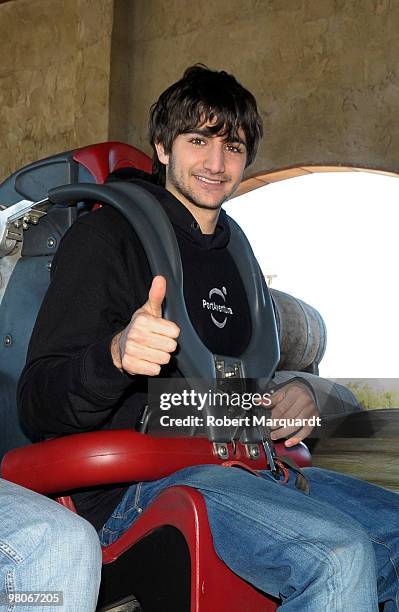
(234, 148)
(197, 141)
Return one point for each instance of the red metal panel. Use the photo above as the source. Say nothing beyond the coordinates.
(105, 157)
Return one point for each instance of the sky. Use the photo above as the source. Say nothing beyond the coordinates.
(332, 241)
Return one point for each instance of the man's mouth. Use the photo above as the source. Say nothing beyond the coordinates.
(209, 181)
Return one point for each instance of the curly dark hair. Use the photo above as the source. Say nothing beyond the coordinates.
(200, 96)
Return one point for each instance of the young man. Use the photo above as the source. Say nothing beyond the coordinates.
(47, 552)
(100, 334)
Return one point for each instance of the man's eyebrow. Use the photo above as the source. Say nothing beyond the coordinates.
(209, 133)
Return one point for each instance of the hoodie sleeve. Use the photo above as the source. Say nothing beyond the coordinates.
(69, 383)
(333, 401)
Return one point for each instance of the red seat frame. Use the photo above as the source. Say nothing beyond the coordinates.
(105, 457)
(213, 584)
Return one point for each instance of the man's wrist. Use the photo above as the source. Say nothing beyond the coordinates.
(116, 351)
(298, 382)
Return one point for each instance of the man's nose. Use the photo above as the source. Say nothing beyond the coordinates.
(214, 159)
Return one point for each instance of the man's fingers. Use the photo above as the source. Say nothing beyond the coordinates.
(295, 440)
(287, 407)
(296, 409)
(161, 343)
(289, 392)
(283, 432)
(145, 326)
(283, 401)
(148, 341)
(135, 352)
(299, 434)
(296, 423)
(277, 397)
(156, 296)
(141, 367)
(293, 422)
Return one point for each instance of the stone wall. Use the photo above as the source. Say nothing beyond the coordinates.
(325, 73)
(54, 77)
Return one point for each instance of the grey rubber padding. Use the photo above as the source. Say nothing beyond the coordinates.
(155, 231)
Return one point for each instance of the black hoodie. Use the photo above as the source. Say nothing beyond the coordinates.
(100, 277)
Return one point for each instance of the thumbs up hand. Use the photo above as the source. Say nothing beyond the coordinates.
(148, 341)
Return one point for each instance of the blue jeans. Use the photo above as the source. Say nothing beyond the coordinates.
(334, 550)
(45, 547)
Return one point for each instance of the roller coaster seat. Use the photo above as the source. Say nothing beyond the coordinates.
(166, 558)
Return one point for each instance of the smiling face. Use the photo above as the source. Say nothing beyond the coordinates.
(203, 170)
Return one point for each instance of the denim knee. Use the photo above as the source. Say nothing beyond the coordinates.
(343, 551)
(74, 535)
(343, 561)
(84, 537)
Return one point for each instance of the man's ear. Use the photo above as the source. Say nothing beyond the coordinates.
(162, 156)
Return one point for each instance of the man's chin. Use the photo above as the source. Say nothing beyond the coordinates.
(195, 197)
(203, 202)
(208, 205)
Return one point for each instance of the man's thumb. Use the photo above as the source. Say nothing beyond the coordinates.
(156, 296)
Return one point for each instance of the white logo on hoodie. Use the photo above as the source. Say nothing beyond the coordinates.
(211, 305)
